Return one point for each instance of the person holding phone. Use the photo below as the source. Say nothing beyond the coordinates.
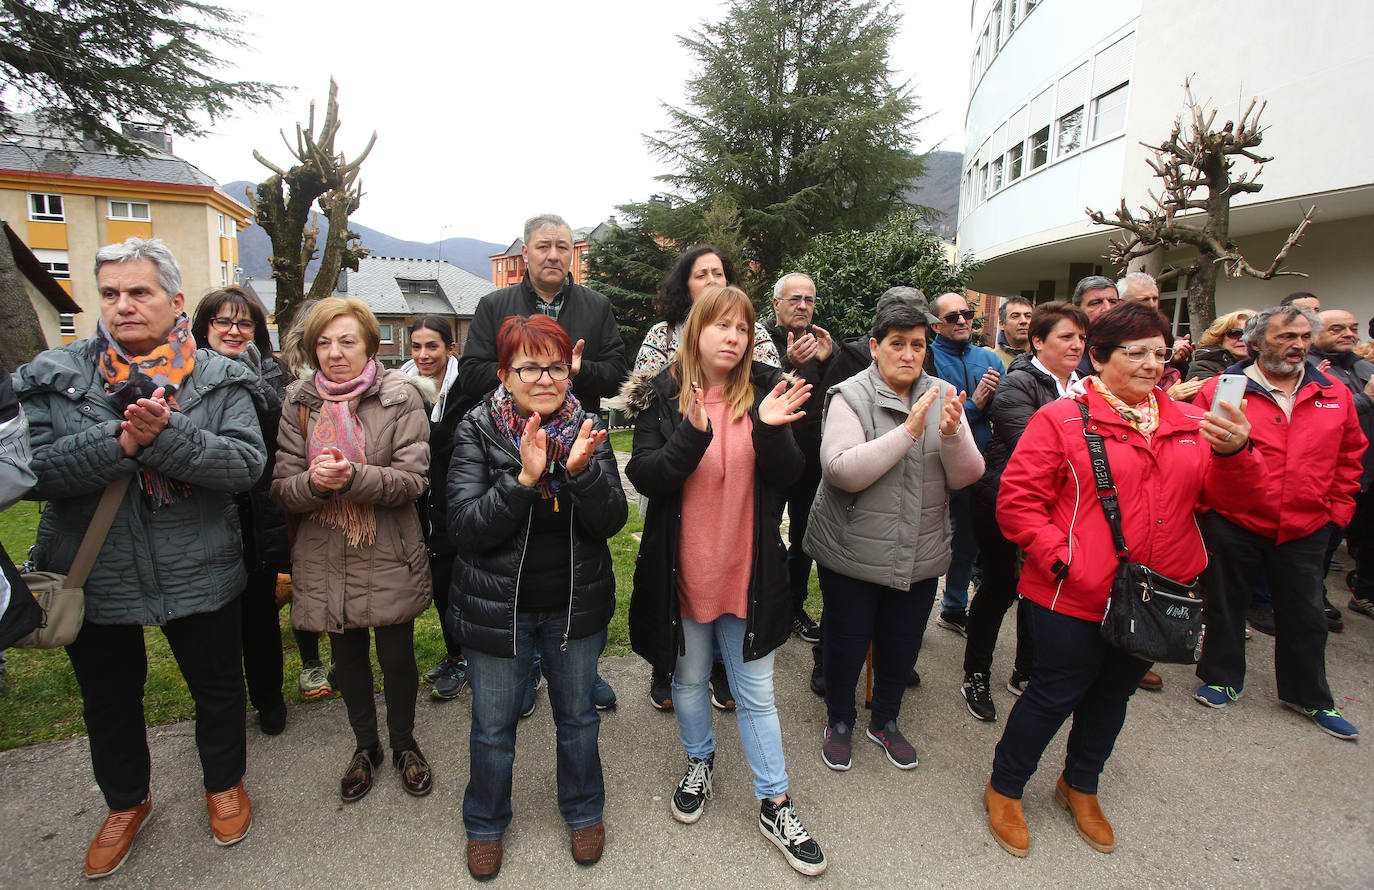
(359, 560)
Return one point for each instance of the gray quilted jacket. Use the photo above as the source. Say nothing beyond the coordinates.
(184, 559)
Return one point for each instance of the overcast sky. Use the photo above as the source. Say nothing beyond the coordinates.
(487, 113)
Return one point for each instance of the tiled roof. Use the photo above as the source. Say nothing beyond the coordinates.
(265, 289)
(376, 283)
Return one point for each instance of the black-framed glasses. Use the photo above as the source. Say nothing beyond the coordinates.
(798, 299)
(1139, 353)
(1235, 333)
(953, 317)
(531, 373)
(225, 325)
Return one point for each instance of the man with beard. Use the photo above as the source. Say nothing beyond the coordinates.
(1305, 428)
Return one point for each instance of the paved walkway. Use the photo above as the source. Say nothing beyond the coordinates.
(1249, 796)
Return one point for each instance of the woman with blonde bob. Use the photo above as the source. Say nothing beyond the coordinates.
(1220, 346)
(713, 453)
(352, 457)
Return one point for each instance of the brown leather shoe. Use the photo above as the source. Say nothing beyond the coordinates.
(1152, 681)
(1007, 822)
(416, 776)
(231, 814)
(1092, 825)
(357, 781)
(587, 843)
(484, 859)
(115, 838)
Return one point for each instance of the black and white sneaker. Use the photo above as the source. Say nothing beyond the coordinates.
(689, 799)
(806, 629)
(779, 823)
(722, 699)
(978, 696)
(955, 621)
(1016, 683)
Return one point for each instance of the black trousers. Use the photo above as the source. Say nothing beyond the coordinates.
(799, 496)
(997, 556)
(111, 666)
(400, 682)
(1236, 557)
(1073, 673)
(441, 570)
(262, 653)
(858, 613)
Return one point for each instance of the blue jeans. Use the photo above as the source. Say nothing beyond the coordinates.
(498, 685)
(964, 551)
(752, 684)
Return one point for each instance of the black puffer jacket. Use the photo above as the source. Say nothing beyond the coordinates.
(265, 544)
(488, 524)
(1209, 361)
(1023, 391)
(666, 451)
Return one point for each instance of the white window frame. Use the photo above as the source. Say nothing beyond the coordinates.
(1124, 90)
(1031, 166)
(386, 333)
(1060, 129)
(224, 274)
(130, 217)
(1017, 164)
(47, 214)
(66, 324)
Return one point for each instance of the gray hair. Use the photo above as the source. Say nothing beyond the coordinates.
(898, 315)
(780, 286)
(535, 223)
(1124, 283)
(1007, 301)
(154, 250)
(1092, 282)
(1258, 324)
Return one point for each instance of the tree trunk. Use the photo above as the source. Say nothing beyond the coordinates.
(21, 336)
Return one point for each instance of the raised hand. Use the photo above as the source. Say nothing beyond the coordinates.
(952, 412)
(534, 449)
(916, 420)
(1183, 347)
(801, 350)
(784, 404)
(697, 413)
(987, 387)
(1184, 390)
(825, 345)
(1226, 427)
(577, 357)
(582, 448)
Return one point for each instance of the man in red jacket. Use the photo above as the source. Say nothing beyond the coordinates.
(1306, 433)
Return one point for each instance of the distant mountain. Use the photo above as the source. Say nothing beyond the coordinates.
(255, 250)
(939, 189)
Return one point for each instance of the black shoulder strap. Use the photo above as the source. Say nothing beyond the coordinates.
(1106, 489)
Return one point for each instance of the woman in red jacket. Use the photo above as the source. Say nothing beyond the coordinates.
(1047, 504)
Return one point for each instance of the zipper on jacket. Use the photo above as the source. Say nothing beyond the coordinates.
(567, 628)
(515, 603)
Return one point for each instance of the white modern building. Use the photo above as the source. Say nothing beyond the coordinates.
(1063, 93)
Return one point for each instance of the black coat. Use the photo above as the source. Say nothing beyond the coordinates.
(807, 431)
(1208, 362)
(489, 526)
(265, 544)
(667, 450)
(1023, 391)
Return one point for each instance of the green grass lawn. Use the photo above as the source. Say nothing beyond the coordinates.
(622, 439)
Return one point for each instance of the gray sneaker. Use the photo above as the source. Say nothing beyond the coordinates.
(838, 746)
(313, 682)
(901, 752)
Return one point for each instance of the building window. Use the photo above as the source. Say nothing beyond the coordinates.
(66, 324)
(1014, 162)
(386, 333)
(1030, 6)
(132, 210)
(223, 226)
(58, 270)
(1069, 132)
(223, 274)
(982, 183)
(1109, 112)
(1040, 148)
(996, 173)
(1011, 16)
(500, 265)
(997, 25)
(46, 208)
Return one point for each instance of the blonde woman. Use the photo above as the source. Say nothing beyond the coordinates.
(1220, 346)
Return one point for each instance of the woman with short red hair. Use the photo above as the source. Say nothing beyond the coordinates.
(533, 496)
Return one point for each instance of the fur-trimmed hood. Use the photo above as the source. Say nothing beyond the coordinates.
(641, 389)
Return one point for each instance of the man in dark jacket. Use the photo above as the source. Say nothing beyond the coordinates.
(598, 353)
(806, 351)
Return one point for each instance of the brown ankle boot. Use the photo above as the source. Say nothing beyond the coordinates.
(1007, 822)
(1092, 825)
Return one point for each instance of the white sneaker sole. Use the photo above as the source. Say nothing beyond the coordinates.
(879, 742)
(976, 716)
(805, 868)
(118, 865)
(687, 818)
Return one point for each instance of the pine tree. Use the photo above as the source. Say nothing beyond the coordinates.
(627, 265)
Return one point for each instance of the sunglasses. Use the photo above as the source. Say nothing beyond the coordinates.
(953, 317)
(1235, 333)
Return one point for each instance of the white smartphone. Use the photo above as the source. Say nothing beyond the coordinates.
(1230, 387)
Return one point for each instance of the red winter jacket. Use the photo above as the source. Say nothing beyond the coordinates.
(1310, 466)
(1047, 503)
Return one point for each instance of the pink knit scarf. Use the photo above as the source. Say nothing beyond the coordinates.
(339, 427)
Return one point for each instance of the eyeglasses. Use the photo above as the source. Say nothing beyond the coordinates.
(532, 373)
(953, 317)
(1139, 353)
(1235, 333)
(798, 299)
(225, 325)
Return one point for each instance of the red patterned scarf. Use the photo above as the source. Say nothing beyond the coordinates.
(339, 427)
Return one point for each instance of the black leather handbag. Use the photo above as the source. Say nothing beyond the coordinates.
(1151, 616)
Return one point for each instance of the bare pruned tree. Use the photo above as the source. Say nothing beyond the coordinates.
(1180, 215)
(283, 205)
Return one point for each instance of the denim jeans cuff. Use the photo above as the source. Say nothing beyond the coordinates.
(584, 823)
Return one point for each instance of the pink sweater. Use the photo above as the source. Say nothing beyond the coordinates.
(716, 544)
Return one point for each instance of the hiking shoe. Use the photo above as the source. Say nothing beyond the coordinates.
(914, 679)
(955, 621)
(691, 794)
(1016, 683)
(661, 690)
(603, 696)
(531, 687)
(808, 630)
(721, 697)
(451, 679)
(1217, 696)
(978, 696)
(313, 683)
(1334, 624)
(838, 746)
(115, 839)
(1261, 620)
(899, 750)
(779, 823)
(817, 673)
(231, 814)
(1330, 720)
(1361, 605)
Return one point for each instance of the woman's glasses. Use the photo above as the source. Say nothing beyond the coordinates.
(1162, 354)
(225, 325)
(532, 373)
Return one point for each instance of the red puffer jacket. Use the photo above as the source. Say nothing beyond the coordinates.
(1310, 466)
(1048, 505)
